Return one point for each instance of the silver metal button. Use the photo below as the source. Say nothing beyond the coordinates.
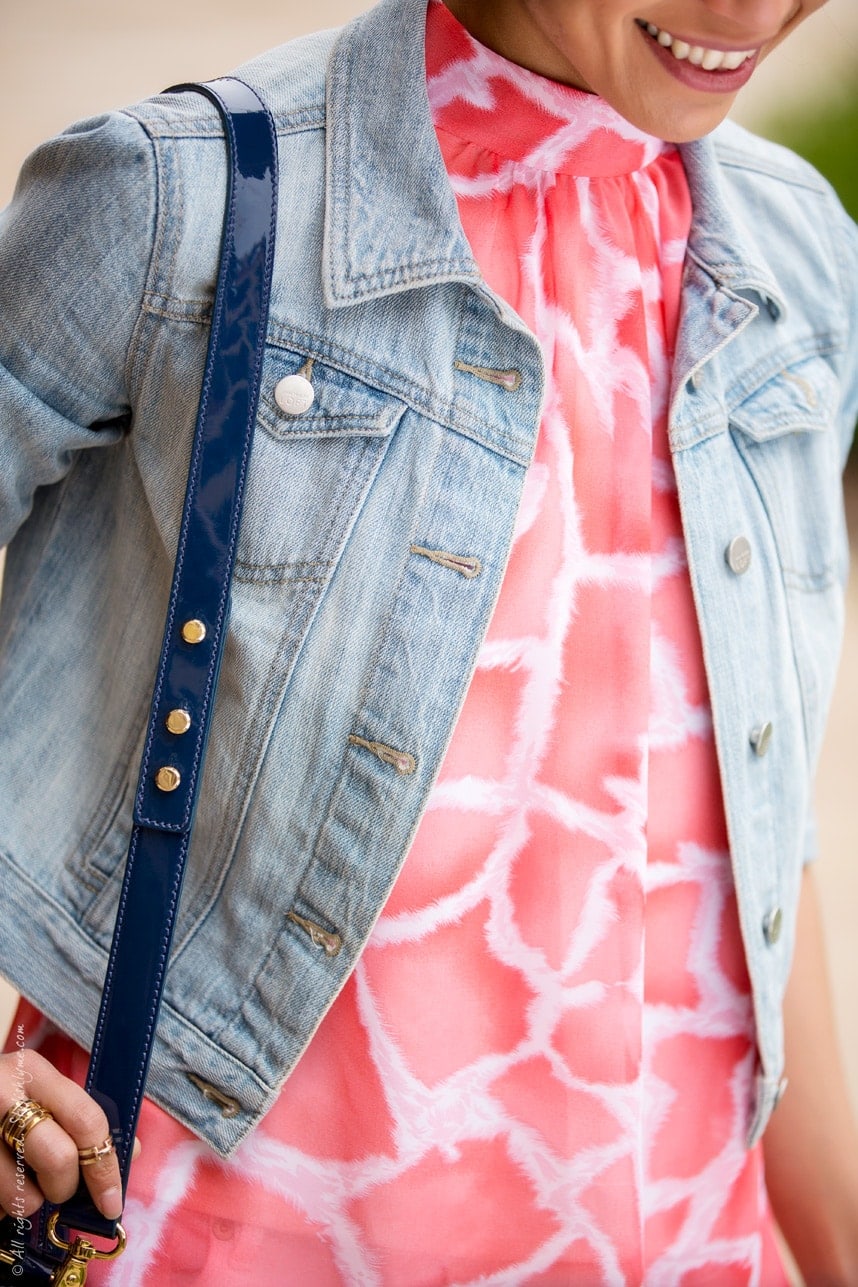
(738, 555)
(773, 923)
(294, 395)
(761, 737)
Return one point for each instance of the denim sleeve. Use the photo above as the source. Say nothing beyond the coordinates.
(845, 234)
(75, 245)
(847, 246)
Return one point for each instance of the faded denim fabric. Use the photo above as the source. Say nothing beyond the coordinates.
(349, 654)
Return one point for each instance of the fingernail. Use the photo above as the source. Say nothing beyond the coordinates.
(111, 1203)
(135, 1152)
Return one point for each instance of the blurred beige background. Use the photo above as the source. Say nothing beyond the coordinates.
(64, 59)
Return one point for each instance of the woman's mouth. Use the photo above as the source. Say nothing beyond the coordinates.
(698, 55)
(700, 67)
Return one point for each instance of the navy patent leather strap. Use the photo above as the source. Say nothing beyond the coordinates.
(187, 672)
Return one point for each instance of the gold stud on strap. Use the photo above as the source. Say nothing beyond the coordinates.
(167, 778)
(193, 631)
(178, 721)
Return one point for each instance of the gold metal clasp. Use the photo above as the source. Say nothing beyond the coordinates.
(72, 1272)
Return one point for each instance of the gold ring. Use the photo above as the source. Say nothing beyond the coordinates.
(19, 1120)
(89, 1156)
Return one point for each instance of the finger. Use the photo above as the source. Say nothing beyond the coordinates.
(136, 1150)
(19, 1195)
(85, 1123)
(52, 1154)
(51, 1148)
(102, 1178)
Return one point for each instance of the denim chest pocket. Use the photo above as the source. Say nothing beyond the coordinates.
(786, 434)
(320, 437)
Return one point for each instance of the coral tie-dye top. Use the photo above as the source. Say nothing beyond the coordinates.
(540, 1071)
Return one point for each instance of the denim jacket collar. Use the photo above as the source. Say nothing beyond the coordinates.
(725, 249)
(398, 228)
(394, 227)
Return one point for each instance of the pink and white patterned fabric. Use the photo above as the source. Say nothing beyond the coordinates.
(540, 1071)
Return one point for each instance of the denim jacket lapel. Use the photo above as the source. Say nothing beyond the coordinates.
(388, 227)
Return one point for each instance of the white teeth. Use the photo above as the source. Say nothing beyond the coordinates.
(708, 59)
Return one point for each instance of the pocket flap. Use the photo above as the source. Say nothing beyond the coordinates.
(802, 398)
(341, 407)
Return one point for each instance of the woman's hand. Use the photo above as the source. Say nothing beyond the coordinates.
(51, 1147)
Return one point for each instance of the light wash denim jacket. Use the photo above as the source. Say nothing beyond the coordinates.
(350, 651)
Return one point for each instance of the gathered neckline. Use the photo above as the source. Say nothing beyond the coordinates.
(546, 126)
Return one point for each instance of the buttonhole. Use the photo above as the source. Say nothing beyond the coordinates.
(506, 379)
(330, 942)
(467, 564)
(228, 1106)
(402, 761)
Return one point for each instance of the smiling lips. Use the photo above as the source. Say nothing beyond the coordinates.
(711, 60)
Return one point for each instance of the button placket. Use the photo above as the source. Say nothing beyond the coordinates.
(738, 555)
